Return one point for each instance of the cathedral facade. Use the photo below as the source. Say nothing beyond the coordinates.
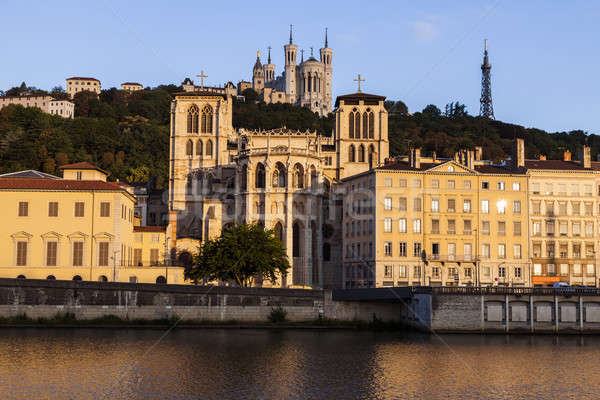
(306, 84)
(289, 181)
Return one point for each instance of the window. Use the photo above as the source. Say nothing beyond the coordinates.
(77, 254)
(451, 205)
(451, 251)
(589, 269)
(53, 209)
(387, 203)
(416, 183)
(21, 253)
(417, 271)
(435, 251)
(485, 185)
(516, 186)
(207, 118)
(51, 252)
(537, 250)
(536, 208)
(589, 251)
(402, 183)
(402, 271)
(517, 228)
(153, 256)
(192, 119)
(467, 206)
(576, 251)
(518, 272)
(485, 227)
(451, 184)
(517, 251)
(485, 250)
(550, 250)
(562, 189)
(402, 225)
(501, 250)
(501, 206)
(79, 175)
(402, 249)
(467, 227)
(416, 225)
(564, 269)
(417, 204)
(467, 251)
(209, 148)
(563, 250)
(105, 209)
(548, 189)
(502, 272)
(589, 229)
(387, 182)
(387, 249)
(576, 229)
(551, 268)
(537, 269)
(500, 185)
(588, 209)
(79, 209)
(417, 249)
(435, 271)
(387, 271)
(587, 190)
(451, 227)
(435, 205)
(501, 228)
(103, 254)
(550, 208)
(23, 209)
(537, 228)
(435, 183)
(517, 207)
(387, 225)
(562, 208)
(402, 204)
(575, 208)
(550, 228)
(467, 185)
(485, 206)
(576, 269)
(435, 226)
(468, 272)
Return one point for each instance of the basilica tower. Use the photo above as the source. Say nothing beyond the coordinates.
(269, 69)
(291, 52)
(258, 76)
(326, 58)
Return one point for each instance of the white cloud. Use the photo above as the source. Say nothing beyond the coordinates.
(424, 31)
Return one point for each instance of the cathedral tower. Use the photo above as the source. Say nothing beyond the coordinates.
(258, 75)
(269, 69)
(291, 52)
(326, 58)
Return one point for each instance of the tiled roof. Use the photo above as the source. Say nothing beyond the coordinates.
(497, 169)
(200, 93)
(358, 96)
(482, 169)
(404, 166)
(149, 228)
(56, 184)
(131, 83)
(79, 78)
(30, 173)
(554, 164)
(82, 165)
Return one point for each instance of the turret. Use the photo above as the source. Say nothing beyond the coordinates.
(258, 75)
(291, 52)
(326, 58)
(269, 69)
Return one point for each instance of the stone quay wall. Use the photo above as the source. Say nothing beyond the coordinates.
(89, 300)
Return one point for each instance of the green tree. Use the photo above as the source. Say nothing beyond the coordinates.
(432, 111)
(243, 253)
(139, 174)
(250, 95)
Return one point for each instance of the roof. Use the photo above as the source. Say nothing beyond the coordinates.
(57, 184)
(355, 97)
(482, 169)
(555, 165)
(149, 228)
(30, 173)
(131, 83)
(497, 169)
(200, 93)
(82, 165)
(80, 78)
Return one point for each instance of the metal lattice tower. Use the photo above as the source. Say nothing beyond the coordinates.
(486, 108)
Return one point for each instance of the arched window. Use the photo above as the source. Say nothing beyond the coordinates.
(260, 176)
(296, 235)
(279, 231)
(351, 153)
(21, 277)
(371, 125)
(371, 155)
(207, 117)
(199, 147)
(298, 176)
(314, 178)
(244, 180)
(209, 148)
(192, 119)
(361, 153)
(102, 278)
(365, 125)
(351, 125)
(189, 148)
(161, 280)
(51, 278)
(357, 125)
(326, 252)
(77, 278)
(279, 175)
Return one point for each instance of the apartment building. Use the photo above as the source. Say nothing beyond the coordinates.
(131, 86)
(429, 221)
(80, 84)
(46, 103)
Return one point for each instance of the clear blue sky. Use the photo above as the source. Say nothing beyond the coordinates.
(544, 54)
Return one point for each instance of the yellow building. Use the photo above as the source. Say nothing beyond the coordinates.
(131, 86)
(79, 84)
(79, 227)
(426, 221)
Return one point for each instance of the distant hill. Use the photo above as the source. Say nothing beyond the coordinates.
(128, 134)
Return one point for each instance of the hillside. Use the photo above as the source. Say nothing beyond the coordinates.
(128, 134)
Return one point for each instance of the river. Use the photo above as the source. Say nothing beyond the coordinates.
(292, 364)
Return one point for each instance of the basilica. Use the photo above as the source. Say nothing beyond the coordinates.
(287, 180)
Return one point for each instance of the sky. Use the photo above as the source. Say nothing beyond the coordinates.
(544, 54)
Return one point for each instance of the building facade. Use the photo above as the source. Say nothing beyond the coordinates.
(131, 86)
(46, 103)
(80, 84)
(307, 83)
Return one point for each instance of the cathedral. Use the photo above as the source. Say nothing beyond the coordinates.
(307, 84)
(286, 180)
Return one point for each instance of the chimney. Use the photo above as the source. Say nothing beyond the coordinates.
(470, 158)
(567, 155)
(478, 153)
(518, 154)
(585, 157)
(542, 157)
(414, 158)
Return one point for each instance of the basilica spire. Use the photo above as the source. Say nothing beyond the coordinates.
(326, 38)
(290, 33)
(269, 58)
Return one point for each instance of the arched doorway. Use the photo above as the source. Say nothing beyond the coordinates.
(278, 231)
(77, 278)
(51, 278)
(102, 278)
(21, 277)
(161, 280)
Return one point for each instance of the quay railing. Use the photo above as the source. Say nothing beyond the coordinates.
(501, 290)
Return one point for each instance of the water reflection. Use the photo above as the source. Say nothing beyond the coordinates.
(232, 364)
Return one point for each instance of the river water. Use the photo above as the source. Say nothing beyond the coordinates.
(292, 364)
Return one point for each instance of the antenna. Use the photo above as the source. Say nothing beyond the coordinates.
(486, 108)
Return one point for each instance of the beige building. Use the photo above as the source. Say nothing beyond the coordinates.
(79, 227)
(79, 84)
(284, 179)
(131, 86)
(441, 222)
(564, 206)
(46, 103)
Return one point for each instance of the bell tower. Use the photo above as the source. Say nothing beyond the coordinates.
(326, 59)
(291, 52)
(258, 75)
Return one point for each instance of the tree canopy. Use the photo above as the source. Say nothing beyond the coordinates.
(242, 253)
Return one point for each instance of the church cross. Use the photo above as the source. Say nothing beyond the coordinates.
(359, 80)
(202, 76)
